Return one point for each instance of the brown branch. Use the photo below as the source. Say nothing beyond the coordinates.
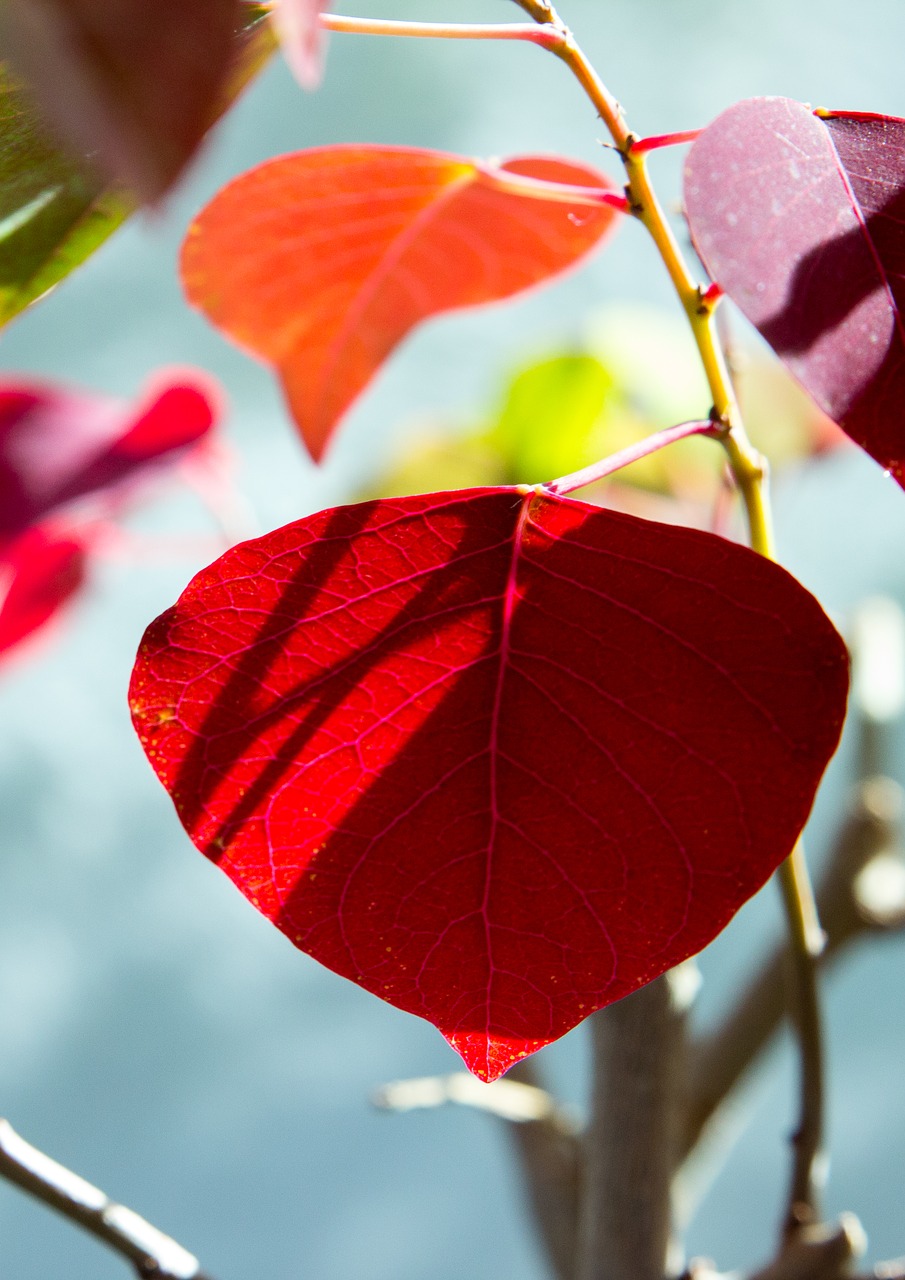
(626, 1212)
(818, 1252)
(153, 1255)
(544, 1135)
(539, 10)
(804, 950)
(549, 1155)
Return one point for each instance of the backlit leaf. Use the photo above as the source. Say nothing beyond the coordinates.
(801, 219)
(321, 262)
(54, 210)
(501, 758)
(57, 445)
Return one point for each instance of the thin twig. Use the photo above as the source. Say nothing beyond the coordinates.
(509, 1099)
(153, 1255)
(626, 1219)
(441, 30)
(632, 453)
(538, 10)
(870, 832)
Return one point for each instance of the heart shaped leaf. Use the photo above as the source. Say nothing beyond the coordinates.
(57, 445)
(335, 254)
(499, 757)
(800, 217)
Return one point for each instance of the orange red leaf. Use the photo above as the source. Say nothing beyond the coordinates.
(322, 261)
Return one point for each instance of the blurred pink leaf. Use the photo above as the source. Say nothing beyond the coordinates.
(302, 39)
(39, 571)
(57, 445)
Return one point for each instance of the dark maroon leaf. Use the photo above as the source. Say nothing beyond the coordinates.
(136, 84)
(499, 757)
(801, 219)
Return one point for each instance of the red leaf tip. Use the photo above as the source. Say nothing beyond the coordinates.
(490, 1056)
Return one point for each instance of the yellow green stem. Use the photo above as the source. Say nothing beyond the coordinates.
(749, 469)
(747, 465)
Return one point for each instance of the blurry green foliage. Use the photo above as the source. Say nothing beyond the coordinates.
(55, 208)
(560, 413)
(632, 375)
(549, 415)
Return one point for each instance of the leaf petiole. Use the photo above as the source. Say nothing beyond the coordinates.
(658, 140)
(632, 453)
(556, 192)
(546, 37)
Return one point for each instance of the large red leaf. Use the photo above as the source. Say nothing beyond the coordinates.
(134, 83)
(499, 757)
(801, 219)
(57, 444)
(321, 262)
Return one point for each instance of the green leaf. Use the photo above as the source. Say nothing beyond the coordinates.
(54, 210)
(546, 424)
(55, 207)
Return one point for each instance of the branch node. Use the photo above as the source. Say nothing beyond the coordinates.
(818, 1251)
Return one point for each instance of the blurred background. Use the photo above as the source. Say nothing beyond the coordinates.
(156, 1034)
